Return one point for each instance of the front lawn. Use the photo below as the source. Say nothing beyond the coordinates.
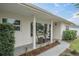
(75, 45)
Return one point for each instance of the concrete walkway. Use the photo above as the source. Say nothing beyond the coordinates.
(57, 50)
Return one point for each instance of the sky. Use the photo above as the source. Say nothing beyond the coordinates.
(65, 10)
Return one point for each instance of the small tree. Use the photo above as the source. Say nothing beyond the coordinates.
(7, 40)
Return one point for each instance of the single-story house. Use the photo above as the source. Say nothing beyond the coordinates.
(25, 18)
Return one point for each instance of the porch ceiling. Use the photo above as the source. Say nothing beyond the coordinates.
(15, 8)
(24, 11)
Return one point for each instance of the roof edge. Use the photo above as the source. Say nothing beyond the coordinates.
(47, 12)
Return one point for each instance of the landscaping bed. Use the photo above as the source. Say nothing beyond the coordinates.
(40, 50)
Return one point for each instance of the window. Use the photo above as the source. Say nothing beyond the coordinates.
(49, 30)
(31, 30)
(45, 28)
(17, 25)
(15, 22)
(17, 28)
(4, 20)
(67, 27)
(56, 24)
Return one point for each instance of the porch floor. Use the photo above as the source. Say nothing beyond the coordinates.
(57, 50)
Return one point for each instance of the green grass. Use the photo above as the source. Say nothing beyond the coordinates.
(75, 45)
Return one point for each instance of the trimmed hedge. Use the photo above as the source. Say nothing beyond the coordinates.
(69, 35)
(7, 40)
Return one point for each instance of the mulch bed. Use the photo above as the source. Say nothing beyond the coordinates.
(40, 50)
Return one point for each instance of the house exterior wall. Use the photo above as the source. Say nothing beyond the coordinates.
(58, 30)
(63, 27)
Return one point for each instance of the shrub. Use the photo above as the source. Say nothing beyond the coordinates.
(7, 40)
(69, 35)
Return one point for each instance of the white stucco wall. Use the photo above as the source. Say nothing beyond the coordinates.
(63, 27)
(58, 30)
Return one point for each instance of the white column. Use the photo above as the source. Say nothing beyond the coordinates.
(34, 33)
(51, 39)
(48, 29)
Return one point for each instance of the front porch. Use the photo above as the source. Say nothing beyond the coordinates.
(42, 40)
(45, 32)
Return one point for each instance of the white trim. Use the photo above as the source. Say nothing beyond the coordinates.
(51, 39)
(30, 5)
(34, 33)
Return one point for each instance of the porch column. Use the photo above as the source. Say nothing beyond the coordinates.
(48, 29)
(51, 39)
(34, 32)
